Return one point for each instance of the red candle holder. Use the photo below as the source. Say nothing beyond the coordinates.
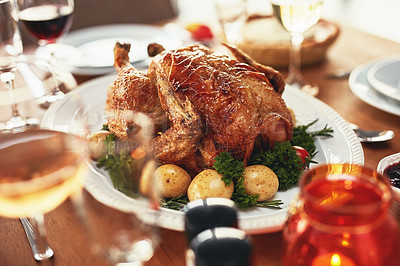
(341, 217)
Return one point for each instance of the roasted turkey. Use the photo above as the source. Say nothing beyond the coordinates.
(202, 102)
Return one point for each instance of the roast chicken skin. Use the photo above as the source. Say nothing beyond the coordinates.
(132, 90)
(214, 103)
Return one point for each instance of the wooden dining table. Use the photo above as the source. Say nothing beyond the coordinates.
(352, 48)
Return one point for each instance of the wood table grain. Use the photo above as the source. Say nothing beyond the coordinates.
(353, 47)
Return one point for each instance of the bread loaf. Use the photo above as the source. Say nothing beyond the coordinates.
(266, 41)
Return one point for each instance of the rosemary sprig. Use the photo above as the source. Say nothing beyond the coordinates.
(325, 132)
(175, 203)
(269, 204)
(304, 137)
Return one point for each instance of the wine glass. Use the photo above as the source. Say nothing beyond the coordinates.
(297, 16)
(39, 167)
(10, 49)
(231, 16)
(125, 234)
(46, 21)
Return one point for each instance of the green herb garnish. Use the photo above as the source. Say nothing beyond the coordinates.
(105, 127)
(232, 171)
(119, 165)
(176, 203)
(284, 161)
(229, 167)
(303, 138)
(269, 203)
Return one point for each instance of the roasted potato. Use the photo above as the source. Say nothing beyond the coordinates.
(96, 145)
(172, 180)
(208, 183)
(260, 180)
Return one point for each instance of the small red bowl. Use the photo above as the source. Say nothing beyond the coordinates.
(385, 163)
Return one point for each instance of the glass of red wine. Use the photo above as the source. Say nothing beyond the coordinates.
(46, 20)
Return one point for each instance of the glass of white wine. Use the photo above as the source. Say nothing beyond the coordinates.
(297, 16)
(127, 165)
(39, 167)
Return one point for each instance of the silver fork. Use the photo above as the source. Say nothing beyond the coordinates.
(32, 238)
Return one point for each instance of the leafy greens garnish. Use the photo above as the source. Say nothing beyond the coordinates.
(105, 127)
(230, 168)
(232, 171)
(284, 161)
(119, 166)
(175, 203)
(303, 138)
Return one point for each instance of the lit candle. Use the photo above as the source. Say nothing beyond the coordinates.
(333, 259)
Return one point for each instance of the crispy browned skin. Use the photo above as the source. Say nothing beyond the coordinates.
(132, 90)
(215, 103)
(273, 75)
(235, 102)
(154, 49)
(179, 143)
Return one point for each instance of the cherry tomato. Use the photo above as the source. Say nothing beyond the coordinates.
(200, 32)
(302, 153)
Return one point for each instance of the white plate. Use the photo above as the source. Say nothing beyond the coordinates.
(359, 85)
(384, 76)
(89, 51)
(343, 147)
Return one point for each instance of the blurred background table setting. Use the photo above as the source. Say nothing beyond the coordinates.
(348, 58)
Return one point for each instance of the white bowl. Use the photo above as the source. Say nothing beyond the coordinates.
(386, 162)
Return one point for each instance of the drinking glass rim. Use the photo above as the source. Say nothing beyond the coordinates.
(36, 184)
(339, 171)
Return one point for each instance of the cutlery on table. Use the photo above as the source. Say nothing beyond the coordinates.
(372, 135)
(339, 74)
(31, 235)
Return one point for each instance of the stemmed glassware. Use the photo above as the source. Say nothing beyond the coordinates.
(124, 234)
(10, 49)
(297, 16)
(231, 16)
(39, 167)
(27, 182)
(46, 20)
